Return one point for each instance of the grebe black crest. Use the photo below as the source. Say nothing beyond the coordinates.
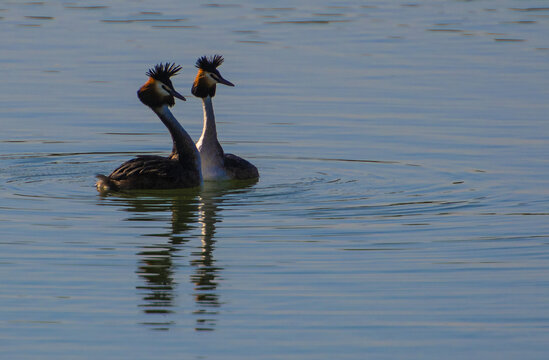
(163, 72)
(209, 63)
(216, 165)
(182, 169)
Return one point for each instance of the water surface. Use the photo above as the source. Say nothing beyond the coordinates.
(401, 211)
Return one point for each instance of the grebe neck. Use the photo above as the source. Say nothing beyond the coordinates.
(211, 152)
(209, 130)
(184, 149)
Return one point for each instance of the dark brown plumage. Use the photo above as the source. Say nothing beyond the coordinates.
(149, 172)
(239, 169)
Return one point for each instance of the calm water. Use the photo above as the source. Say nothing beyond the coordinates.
(402, 210)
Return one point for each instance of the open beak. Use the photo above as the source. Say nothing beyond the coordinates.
(177, 95)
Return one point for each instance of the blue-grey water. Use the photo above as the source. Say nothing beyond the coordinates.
(402, 210)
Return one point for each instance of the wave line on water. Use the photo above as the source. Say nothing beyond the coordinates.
(394, 162)
(45, 155)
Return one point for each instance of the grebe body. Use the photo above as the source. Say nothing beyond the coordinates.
(216, 164)
(182, 169)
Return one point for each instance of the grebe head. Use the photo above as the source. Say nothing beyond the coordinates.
(208, 76)
(159, 90)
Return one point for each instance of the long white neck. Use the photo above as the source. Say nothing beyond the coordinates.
(184, 149)
(211, 152)
(209, 131)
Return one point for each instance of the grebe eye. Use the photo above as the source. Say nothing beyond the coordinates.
(166, 89)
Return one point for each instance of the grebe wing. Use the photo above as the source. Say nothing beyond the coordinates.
(149, 172)
(145, 165)
(240, 169)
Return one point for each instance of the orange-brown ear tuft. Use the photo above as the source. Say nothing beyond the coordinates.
(201, 87)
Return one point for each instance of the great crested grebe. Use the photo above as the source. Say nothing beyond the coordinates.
(179, 170)
(216, 165)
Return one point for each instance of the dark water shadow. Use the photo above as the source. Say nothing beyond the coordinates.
(192, 214)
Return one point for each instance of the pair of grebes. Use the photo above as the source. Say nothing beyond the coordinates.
(189, 164)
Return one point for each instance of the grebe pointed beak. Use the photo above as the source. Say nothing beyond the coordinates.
(176, 94)
(225, 82)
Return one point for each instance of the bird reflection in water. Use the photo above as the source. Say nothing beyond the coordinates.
(192, 214)
(206, 273)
